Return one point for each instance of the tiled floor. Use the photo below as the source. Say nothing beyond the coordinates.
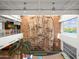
(57, 56)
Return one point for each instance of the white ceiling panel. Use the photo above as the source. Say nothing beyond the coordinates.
(11, 5)
(72, 5)
(44, 4)
(39, 5)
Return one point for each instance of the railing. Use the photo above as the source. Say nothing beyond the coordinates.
(9, 32)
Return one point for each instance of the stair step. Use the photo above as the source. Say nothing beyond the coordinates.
(4, 58)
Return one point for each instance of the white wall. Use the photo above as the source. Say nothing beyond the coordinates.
(69, 38)
(67, 17)
(73, 41)
(5, 41)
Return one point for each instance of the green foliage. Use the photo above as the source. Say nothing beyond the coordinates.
(70, 30)
(19, 47)
(0, 51)
(24, 47)
(7, 24)
(39, 53)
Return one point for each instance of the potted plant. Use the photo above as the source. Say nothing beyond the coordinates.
(19, 48)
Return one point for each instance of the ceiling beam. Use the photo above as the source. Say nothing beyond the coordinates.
(38, 12)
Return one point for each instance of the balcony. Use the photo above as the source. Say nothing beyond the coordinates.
(8, 37)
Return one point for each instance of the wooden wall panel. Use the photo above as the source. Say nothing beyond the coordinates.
(57, 42)
(25, 26)
(56, 25)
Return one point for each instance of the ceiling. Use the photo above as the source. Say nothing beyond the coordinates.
(32, 7)
(11, 18)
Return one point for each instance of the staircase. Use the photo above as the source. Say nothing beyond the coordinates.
(4, 57)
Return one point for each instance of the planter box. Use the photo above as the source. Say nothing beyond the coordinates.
(38, 53)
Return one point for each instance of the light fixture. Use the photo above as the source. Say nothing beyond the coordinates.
(53, 8)
(24, 6)
(53, 3)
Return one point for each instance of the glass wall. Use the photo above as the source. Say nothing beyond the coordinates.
(11, 28)
(1, 29)
(8, 27)
(70, 26)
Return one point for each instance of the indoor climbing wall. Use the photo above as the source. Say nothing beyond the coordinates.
(39, 30)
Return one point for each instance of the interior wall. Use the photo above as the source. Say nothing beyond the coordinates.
(56, 25)
(25, 26)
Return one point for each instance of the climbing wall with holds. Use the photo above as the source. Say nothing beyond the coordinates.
(39, 29)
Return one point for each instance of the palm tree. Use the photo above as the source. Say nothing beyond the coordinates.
(20, 47)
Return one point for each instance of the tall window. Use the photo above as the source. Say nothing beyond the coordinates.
(70, 26)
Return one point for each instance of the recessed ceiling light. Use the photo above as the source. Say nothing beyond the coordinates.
(53, 3)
